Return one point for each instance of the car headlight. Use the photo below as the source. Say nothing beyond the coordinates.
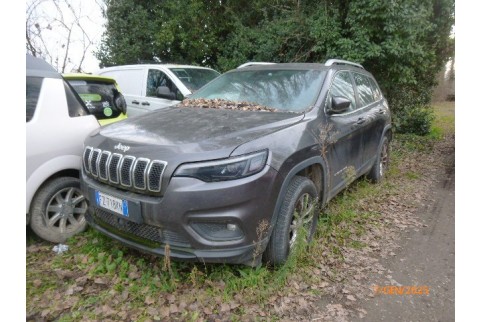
(222, 170)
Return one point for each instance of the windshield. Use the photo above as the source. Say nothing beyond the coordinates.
(194, 78)
(286, 90)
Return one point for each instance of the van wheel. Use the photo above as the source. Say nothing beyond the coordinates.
(379, 169)
(297, 217)
(58, 208)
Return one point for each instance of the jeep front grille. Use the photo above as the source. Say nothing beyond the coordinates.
(125, 171)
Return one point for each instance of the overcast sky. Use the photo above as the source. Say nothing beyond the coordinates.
(90, 19)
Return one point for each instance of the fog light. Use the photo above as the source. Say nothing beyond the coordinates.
(218, 231)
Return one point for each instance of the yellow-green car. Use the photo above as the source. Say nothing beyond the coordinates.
(101, 95)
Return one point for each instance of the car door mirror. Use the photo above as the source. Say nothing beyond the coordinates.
(165, 92)
(120, 101)
(339, 104)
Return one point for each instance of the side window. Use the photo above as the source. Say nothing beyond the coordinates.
(32, 93)
(155, 79)
(376, 91)
(343, 86)
(364, 88)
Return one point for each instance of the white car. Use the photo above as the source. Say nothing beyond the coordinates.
(147, 87)
(57, 124)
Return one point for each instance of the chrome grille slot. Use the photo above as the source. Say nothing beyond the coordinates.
(86, 157)
(126, 171)
(114, 167)
(156, 169)
(104, 158)
(93, 162)
(139, 173)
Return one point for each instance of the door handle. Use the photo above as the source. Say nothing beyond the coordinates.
(361, 120)
(135, 102)
(145, 103)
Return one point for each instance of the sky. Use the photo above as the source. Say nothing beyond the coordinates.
(50, 19)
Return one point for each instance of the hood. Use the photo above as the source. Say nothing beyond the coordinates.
(185, 130)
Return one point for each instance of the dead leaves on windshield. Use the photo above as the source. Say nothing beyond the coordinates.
(224, 105)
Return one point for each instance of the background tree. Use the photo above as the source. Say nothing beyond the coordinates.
(56, 31)
(404, 43)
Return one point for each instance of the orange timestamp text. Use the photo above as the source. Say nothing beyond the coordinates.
(401, 290)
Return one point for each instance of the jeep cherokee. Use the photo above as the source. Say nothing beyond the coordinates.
(236, 172)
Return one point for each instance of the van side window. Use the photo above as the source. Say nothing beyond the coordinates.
(364, 88)
(156, 79)
(32, 92)
(342, 86)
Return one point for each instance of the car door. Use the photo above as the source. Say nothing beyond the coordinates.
(342, 135)
(373, 115)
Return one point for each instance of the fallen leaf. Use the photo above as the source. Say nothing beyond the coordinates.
(207, 311)
(99, 280)
(134, 275)
(173, 308)
(152, 311)
(225, 307)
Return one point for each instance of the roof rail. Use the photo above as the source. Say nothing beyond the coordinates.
(331, 62)
(254, 63)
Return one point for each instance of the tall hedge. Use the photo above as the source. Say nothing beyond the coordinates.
(404, 43)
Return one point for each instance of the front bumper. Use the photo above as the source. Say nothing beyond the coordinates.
(219, 222)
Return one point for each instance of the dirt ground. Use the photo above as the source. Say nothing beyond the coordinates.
(426, 259)
(410, 275)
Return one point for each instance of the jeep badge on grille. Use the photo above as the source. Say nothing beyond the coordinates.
(123, 148)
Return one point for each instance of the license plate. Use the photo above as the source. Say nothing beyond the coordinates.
(111, 203)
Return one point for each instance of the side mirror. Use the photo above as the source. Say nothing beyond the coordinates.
(120, 101)
(165, 92)
(339, 104)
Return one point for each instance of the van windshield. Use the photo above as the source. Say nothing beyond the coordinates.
(194, 78)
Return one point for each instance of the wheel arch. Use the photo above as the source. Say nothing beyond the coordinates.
(313, 168)
(65, 166)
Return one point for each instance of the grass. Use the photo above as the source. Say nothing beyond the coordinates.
(341, 226)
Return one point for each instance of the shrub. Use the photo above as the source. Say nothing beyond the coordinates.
(416, 120)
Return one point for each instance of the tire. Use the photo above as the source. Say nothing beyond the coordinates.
(300, 195)
(58, 208)
(379, 169)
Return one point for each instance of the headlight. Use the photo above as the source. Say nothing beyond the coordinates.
(228, 169)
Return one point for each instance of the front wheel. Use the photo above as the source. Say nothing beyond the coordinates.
(380, 167)
(57, 211)
(297, 217)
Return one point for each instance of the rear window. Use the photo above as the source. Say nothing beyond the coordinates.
(74, 102)
(98, 97)
(32, 93)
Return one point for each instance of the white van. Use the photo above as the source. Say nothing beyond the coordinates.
(149, 87)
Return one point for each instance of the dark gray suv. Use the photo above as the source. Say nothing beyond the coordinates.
(235, 172)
